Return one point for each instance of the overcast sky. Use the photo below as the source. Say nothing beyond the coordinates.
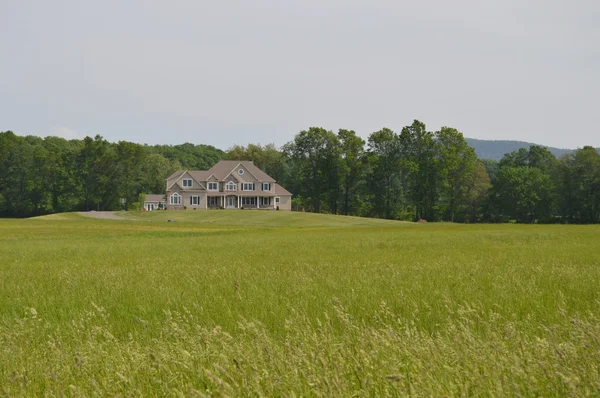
(227, 72)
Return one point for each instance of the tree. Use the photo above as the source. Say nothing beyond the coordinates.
(129, 159)
(268, 158)
(580, 185)
(154, 170)
(314, 157)
(95, 172)
(477, 193)
(384, 181)
(352, 150)
(420, 165)
(456, 163)
(524, 193)
(491, 168)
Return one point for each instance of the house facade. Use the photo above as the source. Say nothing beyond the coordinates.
(231, 184)
(155, 202)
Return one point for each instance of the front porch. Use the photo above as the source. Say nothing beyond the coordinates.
(228, 201)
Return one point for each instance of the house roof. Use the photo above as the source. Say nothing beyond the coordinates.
(225, 167)
(222, 169)
(279, 190)
(199, 175)
(151, 197)
(178, 173)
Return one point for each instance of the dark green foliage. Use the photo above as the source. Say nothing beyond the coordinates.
(40, 176)
(409, 175)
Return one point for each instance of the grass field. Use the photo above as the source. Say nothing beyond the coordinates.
(229, 303)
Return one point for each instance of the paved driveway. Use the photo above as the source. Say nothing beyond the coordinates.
(107, 215)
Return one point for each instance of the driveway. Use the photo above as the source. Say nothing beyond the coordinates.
(107, 215)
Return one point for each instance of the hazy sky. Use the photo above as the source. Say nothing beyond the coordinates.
(226, 72)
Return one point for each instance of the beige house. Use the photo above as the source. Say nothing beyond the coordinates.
(155, 202)
(231, 184)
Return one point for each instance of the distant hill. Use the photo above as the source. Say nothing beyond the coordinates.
(489, 149)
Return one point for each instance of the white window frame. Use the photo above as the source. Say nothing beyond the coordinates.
(231, 186)
(267, 184)
(190, 182)
(241, 172)
(209, 183)
(192, 200)
(277, 200)
(248, 201)
(245, 186)
(173, 197)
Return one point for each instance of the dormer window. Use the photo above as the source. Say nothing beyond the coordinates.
(266, 186)
(213, 186)
(187, 182)
(230, 186)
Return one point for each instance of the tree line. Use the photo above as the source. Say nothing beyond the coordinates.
(407, 175)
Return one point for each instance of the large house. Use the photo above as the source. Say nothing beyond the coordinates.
(231, 184)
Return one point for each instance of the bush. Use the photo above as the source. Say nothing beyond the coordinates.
(184, 207)
(277, 207)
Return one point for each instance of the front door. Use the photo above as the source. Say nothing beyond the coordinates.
(230, 201)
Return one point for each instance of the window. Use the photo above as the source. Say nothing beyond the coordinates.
(195, 200)
(277, 200)
(212, 200)
(247, 186)
(187, 182)
(265, 201)
(230, 186)
(175, 199)
(248, 201)
(241, 172)
(213, 186)
(266, 186)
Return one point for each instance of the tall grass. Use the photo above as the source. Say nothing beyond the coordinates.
(325, 307)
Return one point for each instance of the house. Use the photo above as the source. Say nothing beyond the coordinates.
(155, 202)
(231, 184)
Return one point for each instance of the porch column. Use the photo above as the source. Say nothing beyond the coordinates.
(238, 202)
(257, 204)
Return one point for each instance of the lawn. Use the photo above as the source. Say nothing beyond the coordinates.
(226, 303)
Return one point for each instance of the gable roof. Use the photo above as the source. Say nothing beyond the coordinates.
(178, 173)
(279, 190)
(151, 197)
(199, 175)
(221, 171)
(193, 174)
(225, 167)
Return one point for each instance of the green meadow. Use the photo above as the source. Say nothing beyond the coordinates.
(257, 303)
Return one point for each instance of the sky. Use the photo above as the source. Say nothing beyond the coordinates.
(259, 71)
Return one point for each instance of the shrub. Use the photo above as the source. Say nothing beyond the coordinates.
(277, 208)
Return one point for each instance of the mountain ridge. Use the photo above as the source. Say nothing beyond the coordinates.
(496, 149)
